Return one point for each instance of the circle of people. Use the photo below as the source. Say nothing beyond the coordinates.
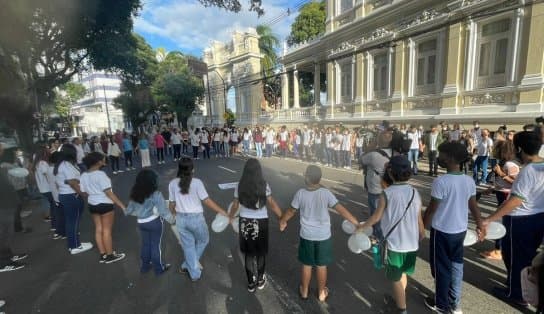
(397, 208)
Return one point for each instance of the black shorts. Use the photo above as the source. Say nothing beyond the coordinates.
(100, 209)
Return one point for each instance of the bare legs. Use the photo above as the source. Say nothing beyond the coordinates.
(399, 292)
(306, 276)
(102, 232)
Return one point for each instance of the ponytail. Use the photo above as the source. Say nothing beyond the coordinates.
(185, 174)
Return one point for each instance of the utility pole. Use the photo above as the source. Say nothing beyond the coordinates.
(107, 109)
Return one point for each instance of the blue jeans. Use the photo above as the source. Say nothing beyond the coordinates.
(216, 148)
(259, 149)
(150, 254)
(226, 149)
(72, 208)
(52, 209)
(446, 261)
(327, 153)
(245, 145)
(347, 158)
(480, 163)
(413, 155)
(269, 149)
(194, 236)
(373, 201)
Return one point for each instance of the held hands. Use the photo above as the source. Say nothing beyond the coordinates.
(481, 229)
(283, 225)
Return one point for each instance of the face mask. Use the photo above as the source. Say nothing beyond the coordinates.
(476, 126)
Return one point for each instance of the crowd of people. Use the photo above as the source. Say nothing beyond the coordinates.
(70, 177)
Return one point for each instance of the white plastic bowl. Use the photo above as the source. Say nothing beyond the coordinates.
(495, 231)
(220, 223)
(470, 238)
(348, 227)
(359, 242)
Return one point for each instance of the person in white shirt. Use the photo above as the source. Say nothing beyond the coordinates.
(195, 139)
(523, 216)
(80, 153)
(307, 135)
(234, 140)
(114, 153)
(452, 196)
(336, 142)
(41, 167)
(346, 149)
(413, 154)
(206, 143)
(476, 133)
(176, 142)
(97, 187)
(270, 138)
(399, 213)
(329, 147)
(217, 142)
(284, 137)
(186, 195)
(246, 139)
(251, 197)
(225, 150)
(56, 211)
(484, 148)
(67, 177)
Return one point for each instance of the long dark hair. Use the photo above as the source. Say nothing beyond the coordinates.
(41, 154)
(69, 154)
(252, 187)
(185, 174)
(147, 182)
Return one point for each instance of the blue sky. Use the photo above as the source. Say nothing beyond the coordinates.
(187, 26)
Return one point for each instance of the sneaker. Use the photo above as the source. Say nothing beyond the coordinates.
(85, 246)
(57, 236)
(47, 219)
(102, 258)
(112, 258)
(183, 270)
(431, 305)
(165, 268)
(120, 171)
(261, 283)
(26, 213)
(251, 287)
(11, 267)
(2, 303)
(456, 310)
(19, 257)
(115, 172)
(503, 294)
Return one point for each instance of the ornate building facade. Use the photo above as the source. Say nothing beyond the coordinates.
(422, 61)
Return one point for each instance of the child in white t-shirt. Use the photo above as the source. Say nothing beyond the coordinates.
(315, 247)
(399, 212)
(97, 186)
(452, 196)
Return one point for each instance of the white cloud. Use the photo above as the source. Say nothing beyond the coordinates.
(192, 26)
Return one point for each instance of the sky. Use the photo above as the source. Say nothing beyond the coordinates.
(189, 27)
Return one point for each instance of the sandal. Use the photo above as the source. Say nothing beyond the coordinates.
(301, 295)
(326, 293)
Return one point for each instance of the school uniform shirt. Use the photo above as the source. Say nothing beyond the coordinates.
(41, 177)
(328, 140)
(405, 237)
(176, 139)
(317, 139)
(246, 136)
(307, 137)
(541, 151)
(529, 188)
(270, 136)
(261, 213)
(452, 191)
(283, 136)
(79, 154)
(113, 150)
(95, 183)
(204, 137)
(511, 169)
(190, 202)
(52, 183)
(234, 137)
(415, 140)
(346, 142)
(313, 207)
(484, 146)
(359, 142)
(297, 139)
(66, 172)
(217, 137)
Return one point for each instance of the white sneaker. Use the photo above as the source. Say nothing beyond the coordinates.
(2, 303)
(85, 246)
(120, 171)
(115, 172)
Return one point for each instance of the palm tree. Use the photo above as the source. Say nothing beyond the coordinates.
(268, 42)
(161, 54)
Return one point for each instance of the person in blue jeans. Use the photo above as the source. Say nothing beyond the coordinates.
(483, 150)
(127, 151)
(452, 196)
(186, 195)
(67, 178)
(144, 198)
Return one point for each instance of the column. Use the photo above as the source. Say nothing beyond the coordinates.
(284, 90)
(317, 83)
(360, 82)
(451, 50)
(531, 97)
(296, 103)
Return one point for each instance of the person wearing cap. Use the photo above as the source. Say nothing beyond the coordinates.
(399, 214)
(523, 217)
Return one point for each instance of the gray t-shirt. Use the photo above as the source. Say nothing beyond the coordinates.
(313, 207)
(375, 163)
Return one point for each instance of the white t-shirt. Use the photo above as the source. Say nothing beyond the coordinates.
(328, 140)
(529, 187)
(541, 151)
(234, 137)
(313, 207)
(359, 141)
(190, 202)
(405, 237)
(415, 139)
(66, 171)
(246, 136)
(226, 138)
(41, 177)
(452, 191)
(511, 169)
(270, 137)
(260, 213)
(176, 139)
(80, 153)
(484, 146)
(217, 136)
(307, 137)
(204, 137)
(52, 184)
(95, 183)
(455, 135)
(297, 139)
(283, 136)
(195, 139)
(346, 142)
(434, 139)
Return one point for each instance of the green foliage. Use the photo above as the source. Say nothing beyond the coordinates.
(67, 95)
(229, 117)
(268, 43)
(309, 24)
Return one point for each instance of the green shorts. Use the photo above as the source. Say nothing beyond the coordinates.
(315, 253)
(399, 263)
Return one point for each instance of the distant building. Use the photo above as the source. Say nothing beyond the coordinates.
(91, 112)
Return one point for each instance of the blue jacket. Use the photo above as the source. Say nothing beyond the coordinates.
(145, 210)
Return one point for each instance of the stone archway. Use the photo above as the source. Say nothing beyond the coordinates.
(235, 64)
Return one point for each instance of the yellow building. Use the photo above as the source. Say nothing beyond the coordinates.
(423, 61)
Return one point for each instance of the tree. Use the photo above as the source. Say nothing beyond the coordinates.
(268, 43)
(66, 96)
(234, 5)
(309, 24)
(47, 42)
(229, 117)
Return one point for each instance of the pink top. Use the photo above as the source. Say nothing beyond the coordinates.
(159, 141)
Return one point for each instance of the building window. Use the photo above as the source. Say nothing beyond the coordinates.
(380, 75)
(493, 53)
(345, 82)
(345, 5)
(426, 59)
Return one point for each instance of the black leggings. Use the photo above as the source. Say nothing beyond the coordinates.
(255, 266)
(195, 151)
(177, 150)
(128, 159)
(114, 163)
(160, 154)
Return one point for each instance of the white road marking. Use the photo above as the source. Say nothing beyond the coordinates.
(227, 169)
(358, 295)
(358, 203)
(226, 186)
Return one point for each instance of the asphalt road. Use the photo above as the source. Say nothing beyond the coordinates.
(56, 282)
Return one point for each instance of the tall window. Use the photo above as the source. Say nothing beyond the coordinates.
(345, 82)
(493, 53)
(345, 5)
(426, 74)
(381, 69)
